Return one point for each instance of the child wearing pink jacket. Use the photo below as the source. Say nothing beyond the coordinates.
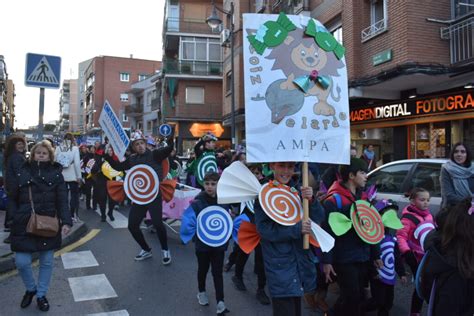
(417, 221)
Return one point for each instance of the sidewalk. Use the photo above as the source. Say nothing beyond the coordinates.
(7, 259)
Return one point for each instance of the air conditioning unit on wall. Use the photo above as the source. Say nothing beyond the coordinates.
(225, 37)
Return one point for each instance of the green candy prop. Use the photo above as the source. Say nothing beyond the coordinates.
(324, 39)
(271, 33)
(366, 220)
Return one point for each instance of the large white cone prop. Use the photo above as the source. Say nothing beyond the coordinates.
(237, 184)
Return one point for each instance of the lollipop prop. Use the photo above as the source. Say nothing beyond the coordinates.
(141, 184)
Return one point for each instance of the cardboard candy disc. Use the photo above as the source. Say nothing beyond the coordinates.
(90, 164)
(367, 222)
(280, 204)
(214, 226)
(207, 163)
(141, 184)
(387, 254)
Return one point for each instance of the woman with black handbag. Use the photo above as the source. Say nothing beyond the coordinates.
(39, 195)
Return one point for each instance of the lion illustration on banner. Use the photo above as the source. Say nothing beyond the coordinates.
(299, 57)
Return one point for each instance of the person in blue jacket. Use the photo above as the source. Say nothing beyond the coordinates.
(208, 256)
(289, 268)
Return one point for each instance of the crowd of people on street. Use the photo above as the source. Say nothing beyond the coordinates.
(438, 249)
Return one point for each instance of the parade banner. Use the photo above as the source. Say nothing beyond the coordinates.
(113, 129)
(296, 95)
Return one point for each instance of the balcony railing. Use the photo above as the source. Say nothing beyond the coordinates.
(134, 109)
(155, 104)
(207, 111)
(189, 26)
(461, 36)
(191, 67)
(374, 30)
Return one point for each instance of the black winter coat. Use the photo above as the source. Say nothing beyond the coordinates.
(49, 197)
(15, 161)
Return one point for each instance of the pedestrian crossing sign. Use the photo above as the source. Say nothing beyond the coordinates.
(43, 71)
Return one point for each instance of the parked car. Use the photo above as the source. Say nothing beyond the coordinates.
(393, 180)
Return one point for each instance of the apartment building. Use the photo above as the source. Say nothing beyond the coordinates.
(410, 66)
(109, 78)
(192, 94)
(69, 114)
(7, 106)
(144, 112)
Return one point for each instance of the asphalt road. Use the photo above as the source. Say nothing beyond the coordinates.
(141, 288)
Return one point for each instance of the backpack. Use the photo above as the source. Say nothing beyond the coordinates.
(65, 158)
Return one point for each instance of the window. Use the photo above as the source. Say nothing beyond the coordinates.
(142, 77)
(426, 176)
(462, 7)
(149, 126)
(337, 33)
(124, 97)
(200, 48)
(228, 82)
(148, 97)
(124, 118)
(124, 77)
(390, 179)
(378, 19)
(194, 95)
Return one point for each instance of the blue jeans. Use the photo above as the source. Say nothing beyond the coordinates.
(23, 264)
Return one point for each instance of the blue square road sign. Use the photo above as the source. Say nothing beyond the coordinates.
(43, 71)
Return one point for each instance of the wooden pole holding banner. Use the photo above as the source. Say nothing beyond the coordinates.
(305, 204)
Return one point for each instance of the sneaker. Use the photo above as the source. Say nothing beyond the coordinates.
(221, 309)
(239, 283)
(262, 297)
(166, 257)
(27, 298)
(43, 304)
(143, 255)
(111, 216)
(116, 208)
(203, 299)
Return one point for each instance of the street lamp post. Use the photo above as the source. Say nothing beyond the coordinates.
(214, 22)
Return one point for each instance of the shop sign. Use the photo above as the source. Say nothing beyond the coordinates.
(199, 129)
(382, 57)
(449, 103)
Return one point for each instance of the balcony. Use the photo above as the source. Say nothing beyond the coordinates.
(210, 111)
(461, 36)
(134, 110)
(155, 104)
(176, 25)
(374, 30)
(190, 67)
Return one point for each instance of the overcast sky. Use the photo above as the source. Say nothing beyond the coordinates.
(76, 31)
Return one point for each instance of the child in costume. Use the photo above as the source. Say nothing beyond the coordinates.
(351, 256)
(416, 213)
(382, 281)
(205, 151)
(242, 257)
(290, 269)
(206, 254)
(447, 271)
(153, 159)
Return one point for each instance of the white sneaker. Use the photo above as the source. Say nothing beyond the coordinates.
(203, 299)
(221, 309)
(142, 255)
(116, 208)
(166, 257)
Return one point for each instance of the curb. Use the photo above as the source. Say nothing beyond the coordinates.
(78, 230)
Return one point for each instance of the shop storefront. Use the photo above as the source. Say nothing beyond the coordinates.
(189, 132)
(415, 128)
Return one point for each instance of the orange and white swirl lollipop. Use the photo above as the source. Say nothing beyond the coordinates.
(141, 184)
(281, 204)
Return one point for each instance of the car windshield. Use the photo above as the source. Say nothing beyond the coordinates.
(390, 178)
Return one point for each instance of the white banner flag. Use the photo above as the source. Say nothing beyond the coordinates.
(113, 129)
(296, 95)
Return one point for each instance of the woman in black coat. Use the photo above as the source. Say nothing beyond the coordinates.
(44, 177)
